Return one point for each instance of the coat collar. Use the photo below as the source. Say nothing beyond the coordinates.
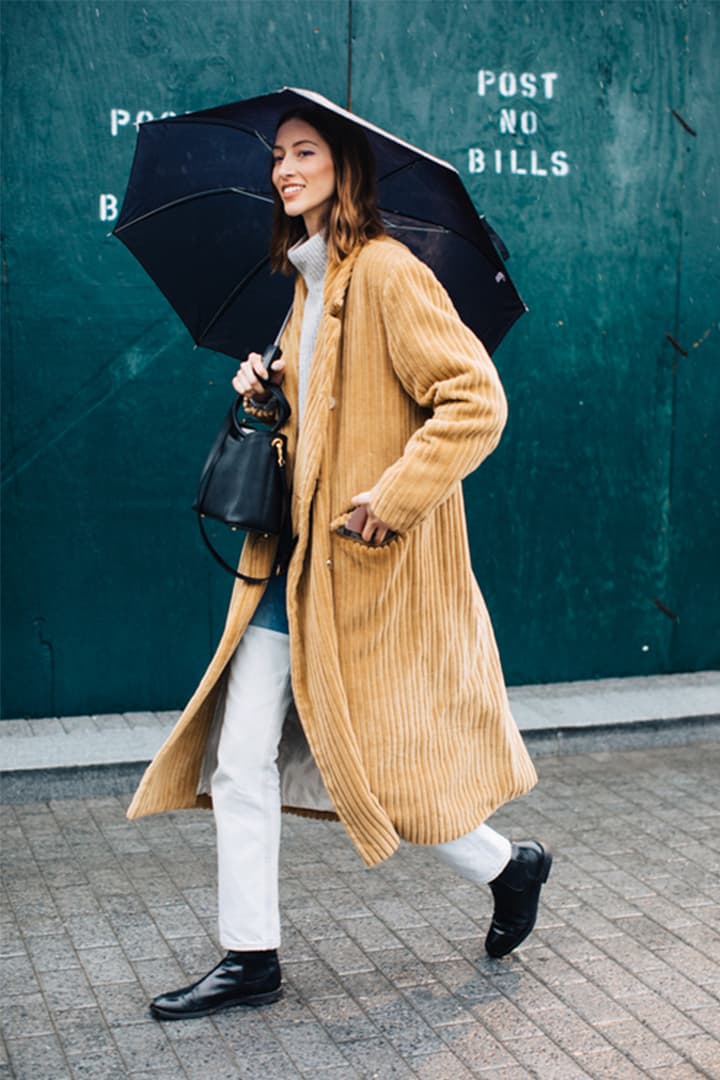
(337, 281)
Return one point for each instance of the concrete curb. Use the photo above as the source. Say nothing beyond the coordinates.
(94, 756)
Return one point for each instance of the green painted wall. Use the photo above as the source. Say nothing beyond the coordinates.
(604, 495)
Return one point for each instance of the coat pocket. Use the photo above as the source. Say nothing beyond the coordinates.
(339, 530)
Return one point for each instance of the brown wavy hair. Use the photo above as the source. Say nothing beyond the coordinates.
(353, 217)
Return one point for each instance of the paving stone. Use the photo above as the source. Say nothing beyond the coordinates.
(438, 1006)
(341, 903)
(477, 1048)
(196, 955)
(66, 990)
(377, 1059)
(18, 976)
(108, 1065)
(614, 978)
(309, 1046)
(395, 912)
(594, 1004)
(12, 940)
(442, 1065)
(26, 1015)
(139, 937)
(145, 1047)
(402, 967)
(701, 1050)
(105, 966)
(663, 1018)
(544, 1058)
(90, 931)
(370, 933)
(312, 979)
(199, 1044)
(71, 900)
(643, 1046)
(343, 956)
(428, 944)
(53, 953)
(344, 1019)
(277, 1066)
(123, 1003)
(572, 1033)
(679, 990)
(38, 1058)
(614, 1065)
(81, 1042)
(708, 1019)
(504, 1019)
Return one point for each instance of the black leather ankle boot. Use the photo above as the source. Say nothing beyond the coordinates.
(517, 895)
(241, 978)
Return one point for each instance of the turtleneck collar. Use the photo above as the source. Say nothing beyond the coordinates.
(309, 257)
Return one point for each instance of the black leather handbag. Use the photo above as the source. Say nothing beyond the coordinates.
(244, 482)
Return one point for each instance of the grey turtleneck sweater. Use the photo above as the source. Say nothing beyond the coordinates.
(309, 257)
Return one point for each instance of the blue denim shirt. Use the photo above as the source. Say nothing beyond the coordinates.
(271, 612)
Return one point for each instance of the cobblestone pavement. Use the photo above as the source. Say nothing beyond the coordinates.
(385, 970)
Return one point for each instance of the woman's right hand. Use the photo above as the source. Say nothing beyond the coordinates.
(246, 379)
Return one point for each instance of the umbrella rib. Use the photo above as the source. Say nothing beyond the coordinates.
(401, 168)
(190, 198)
(417, 228)
(431, 226)
(229, 299)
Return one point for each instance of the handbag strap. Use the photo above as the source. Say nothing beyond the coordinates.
(285, 549)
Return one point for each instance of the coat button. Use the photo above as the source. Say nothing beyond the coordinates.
(332, 403)
(329, 563)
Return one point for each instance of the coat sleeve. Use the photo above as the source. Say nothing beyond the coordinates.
(446, 369)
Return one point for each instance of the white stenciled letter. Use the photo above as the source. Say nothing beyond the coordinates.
(142, 116)
(508, 121)
(548, 79)
(476, 160)
(528, 84)
(108, 207)
(507, 84)
(559, 163)
(485, 79)
(528, 122)
(118, 118)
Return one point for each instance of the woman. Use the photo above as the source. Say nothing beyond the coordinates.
(369, 689)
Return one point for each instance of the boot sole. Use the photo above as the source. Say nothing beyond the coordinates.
(253, 1000)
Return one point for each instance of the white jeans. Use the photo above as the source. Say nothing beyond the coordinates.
(246, 799)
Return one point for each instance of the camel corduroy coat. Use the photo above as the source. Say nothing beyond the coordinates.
(396, 677)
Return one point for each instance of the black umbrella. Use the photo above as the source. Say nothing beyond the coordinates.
(198, 209)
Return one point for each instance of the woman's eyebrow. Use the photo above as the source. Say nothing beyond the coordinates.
(277, 146)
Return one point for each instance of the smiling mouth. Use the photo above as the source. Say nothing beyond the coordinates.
(291, 189)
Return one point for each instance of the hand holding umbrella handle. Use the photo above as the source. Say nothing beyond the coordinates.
(270, 354)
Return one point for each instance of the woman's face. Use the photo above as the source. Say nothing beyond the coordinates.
(303, 173)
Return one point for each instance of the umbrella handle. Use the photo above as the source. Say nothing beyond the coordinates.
(270, 355)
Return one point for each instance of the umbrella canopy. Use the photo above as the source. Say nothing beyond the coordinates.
(198, 209)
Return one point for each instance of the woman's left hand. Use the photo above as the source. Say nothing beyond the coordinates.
(373, 530)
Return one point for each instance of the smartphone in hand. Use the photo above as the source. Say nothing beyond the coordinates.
(354, 525)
